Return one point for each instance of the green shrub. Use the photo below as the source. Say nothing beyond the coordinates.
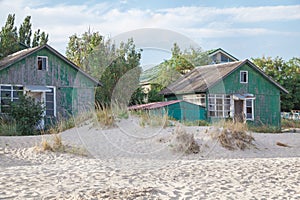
(27, 113)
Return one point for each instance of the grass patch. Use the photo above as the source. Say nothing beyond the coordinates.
(146, 118)
(8, 128)
(55, 144)
(184, 142)
(195, 123)
(289, 123)
(265, 129)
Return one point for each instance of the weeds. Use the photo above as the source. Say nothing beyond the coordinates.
(146, 118)
(55, 144)
(184, 142)
(233, 135)
(289, 123)
(195, 123)
(8, 128)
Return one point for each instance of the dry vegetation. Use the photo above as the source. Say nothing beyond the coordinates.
(55, 144)
(184, 142)
(233, 135)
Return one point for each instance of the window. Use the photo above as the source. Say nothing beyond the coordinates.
(249, 109)
(50, 103)
(8, 94)
(244, 77)
(42, 63)
(218, 105)
(199, 99)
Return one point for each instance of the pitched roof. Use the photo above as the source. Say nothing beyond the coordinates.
(202, 78)
(15, 57)
(215, 51)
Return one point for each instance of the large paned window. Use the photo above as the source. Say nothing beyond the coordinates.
(249, 109)
(199, 99)
(8, 94)
(218, 105)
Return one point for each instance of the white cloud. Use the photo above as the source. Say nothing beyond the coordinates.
(63, 20)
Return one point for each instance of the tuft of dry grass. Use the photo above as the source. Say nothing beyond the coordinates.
(184, 142)
(105, 116)
(234, 136)
(153, 120)
(55, 144)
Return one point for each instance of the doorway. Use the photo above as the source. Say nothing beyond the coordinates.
(239, 111)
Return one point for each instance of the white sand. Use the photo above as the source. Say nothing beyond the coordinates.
(130, 162)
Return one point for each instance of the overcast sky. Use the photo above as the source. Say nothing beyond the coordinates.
(243, 28)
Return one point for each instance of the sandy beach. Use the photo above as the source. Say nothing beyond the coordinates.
(133, 162)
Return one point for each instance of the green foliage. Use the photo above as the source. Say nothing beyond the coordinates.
(286, 74)
(137, 97)
(26, 113)
(180, 63)
(153, 94)
(10, 38)
(80, 49)
(8, 127)
(25, 31)
(39, 38)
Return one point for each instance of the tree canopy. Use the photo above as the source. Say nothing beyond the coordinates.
(286, 74)
(117, 68)
(12, 41)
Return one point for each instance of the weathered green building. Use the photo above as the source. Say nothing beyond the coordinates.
(238, 90)
(176, 109)
(46, 75)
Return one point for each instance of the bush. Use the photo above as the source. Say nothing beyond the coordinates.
(27, 113)
(234, 136)
(184, 142)
(8, 127)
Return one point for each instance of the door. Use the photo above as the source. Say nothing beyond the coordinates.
(239, 111)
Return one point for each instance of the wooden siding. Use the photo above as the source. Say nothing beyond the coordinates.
(75, 91)
(267, 102)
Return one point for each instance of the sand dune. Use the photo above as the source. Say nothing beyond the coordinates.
(131, 162)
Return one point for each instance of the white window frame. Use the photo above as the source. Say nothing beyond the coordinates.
(54, 99)
(241, 72)
(12, 98)
(195, 99)
(252, 109)
(212, 107)
(37, 63)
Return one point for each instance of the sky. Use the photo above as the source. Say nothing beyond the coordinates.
(243, 28)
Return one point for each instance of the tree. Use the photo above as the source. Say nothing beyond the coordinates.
(287, 75)
(39, 38)
(80, 49)
(25, 32)
(8, 37)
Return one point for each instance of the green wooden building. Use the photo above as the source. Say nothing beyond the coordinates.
(46, 75)
(176, 109)
(238, 90)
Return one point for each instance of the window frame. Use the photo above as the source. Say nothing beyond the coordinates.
(12, 89)
(37, 61)
(54, 101)
(241, 72)
(252, 109)
(198, 99)
(219, 110)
